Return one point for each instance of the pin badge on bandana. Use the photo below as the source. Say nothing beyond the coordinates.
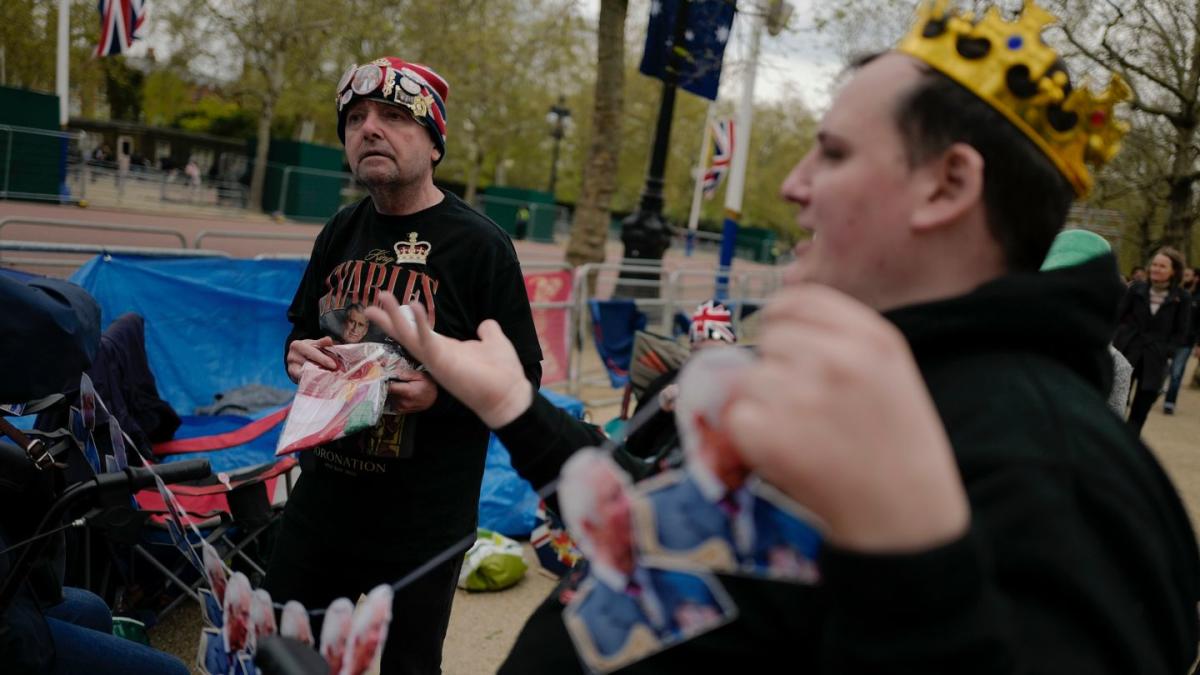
(367, 80)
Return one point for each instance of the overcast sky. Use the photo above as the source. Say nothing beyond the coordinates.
(791, 64)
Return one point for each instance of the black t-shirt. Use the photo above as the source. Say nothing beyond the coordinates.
(409, 487)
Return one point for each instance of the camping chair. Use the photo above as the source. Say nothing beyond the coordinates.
(232, 509)
(653, 357)
(614, 323)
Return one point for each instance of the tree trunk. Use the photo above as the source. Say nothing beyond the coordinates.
(589, 228)
(1145, 243)
(263, 144)
(1180, 213)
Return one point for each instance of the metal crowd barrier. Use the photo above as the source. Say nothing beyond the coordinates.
(61, 249)
(85, 225)
(238, 234)
(92, 249)
(577, 378)
(746, 287)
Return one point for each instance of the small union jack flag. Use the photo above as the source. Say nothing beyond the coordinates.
(712, 321)
(721, 156)
(120, 21)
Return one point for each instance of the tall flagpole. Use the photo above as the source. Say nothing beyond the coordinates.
(61, 75)
(741, 150)
(698, 191)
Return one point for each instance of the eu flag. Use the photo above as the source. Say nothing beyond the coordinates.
(696, 60)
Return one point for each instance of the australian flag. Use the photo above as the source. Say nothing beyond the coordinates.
(120, 21)
(695, 62)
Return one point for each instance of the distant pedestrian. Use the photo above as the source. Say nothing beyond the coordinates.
(1152, 324)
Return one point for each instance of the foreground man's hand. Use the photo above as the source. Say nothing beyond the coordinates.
(485, 374)
(837, 416)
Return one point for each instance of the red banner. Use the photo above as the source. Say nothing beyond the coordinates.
(553, 331)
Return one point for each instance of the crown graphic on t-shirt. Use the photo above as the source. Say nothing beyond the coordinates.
(412, 251)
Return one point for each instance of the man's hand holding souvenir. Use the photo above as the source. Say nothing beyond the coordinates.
(836, 415)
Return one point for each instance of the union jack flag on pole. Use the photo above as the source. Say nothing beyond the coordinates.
(722, 155)
(120, 21)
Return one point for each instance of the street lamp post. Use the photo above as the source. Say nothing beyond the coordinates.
(645, 233)
(559, 119)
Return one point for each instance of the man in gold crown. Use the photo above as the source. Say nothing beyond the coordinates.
(926, 392)
(371, 507)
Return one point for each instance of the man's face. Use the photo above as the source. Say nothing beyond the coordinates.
(356, 326)
(364, 648)
(609, 527)
(1139, 275)
(385, 145)
(1189, 275)
(238, 623)
(719, 454)
(855, 187)
(218, 584)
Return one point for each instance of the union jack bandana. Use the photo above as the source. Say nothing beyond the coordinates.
(411, 86)
(712, 321)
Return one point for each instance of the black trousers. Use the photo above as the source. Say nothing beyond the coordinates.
(1143, 400)
(1139, 410)
(304, 570)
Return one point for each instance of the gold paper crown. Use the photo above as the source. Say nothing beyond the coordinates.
(412, 251)
(1007, 64)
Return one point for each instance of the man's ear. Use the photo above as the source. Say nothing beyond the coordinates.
(436, 155)
(951, 186)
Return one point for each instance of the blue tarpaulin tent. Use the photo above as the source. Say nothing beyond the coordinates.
(213, 325)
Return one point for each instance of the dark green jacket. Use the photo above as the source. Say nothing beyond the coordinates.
(1080, 557)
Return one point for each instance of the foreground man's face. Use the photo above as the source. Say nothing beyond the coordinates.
(854, 187)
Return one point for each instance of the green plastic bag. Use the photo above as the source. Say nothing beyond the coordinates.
(494, 563)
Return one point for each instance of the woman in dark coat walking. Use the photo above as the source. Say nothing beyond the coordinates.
(1152, 323)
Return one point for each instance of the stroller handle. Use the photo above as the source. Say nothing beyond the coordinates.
(101, 487)
(175, 472)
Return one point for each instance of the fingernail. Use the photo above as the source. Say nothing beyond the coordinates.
(408, 315)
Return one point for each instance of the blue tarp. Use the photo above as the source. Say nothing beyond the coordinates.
(211, 324)
(258, 451)
(507, 503)
(216, 324)
(614, 323)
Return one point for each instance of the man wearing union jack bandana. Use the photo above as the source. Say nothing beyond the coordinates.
(411, 86)
(417, 471)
